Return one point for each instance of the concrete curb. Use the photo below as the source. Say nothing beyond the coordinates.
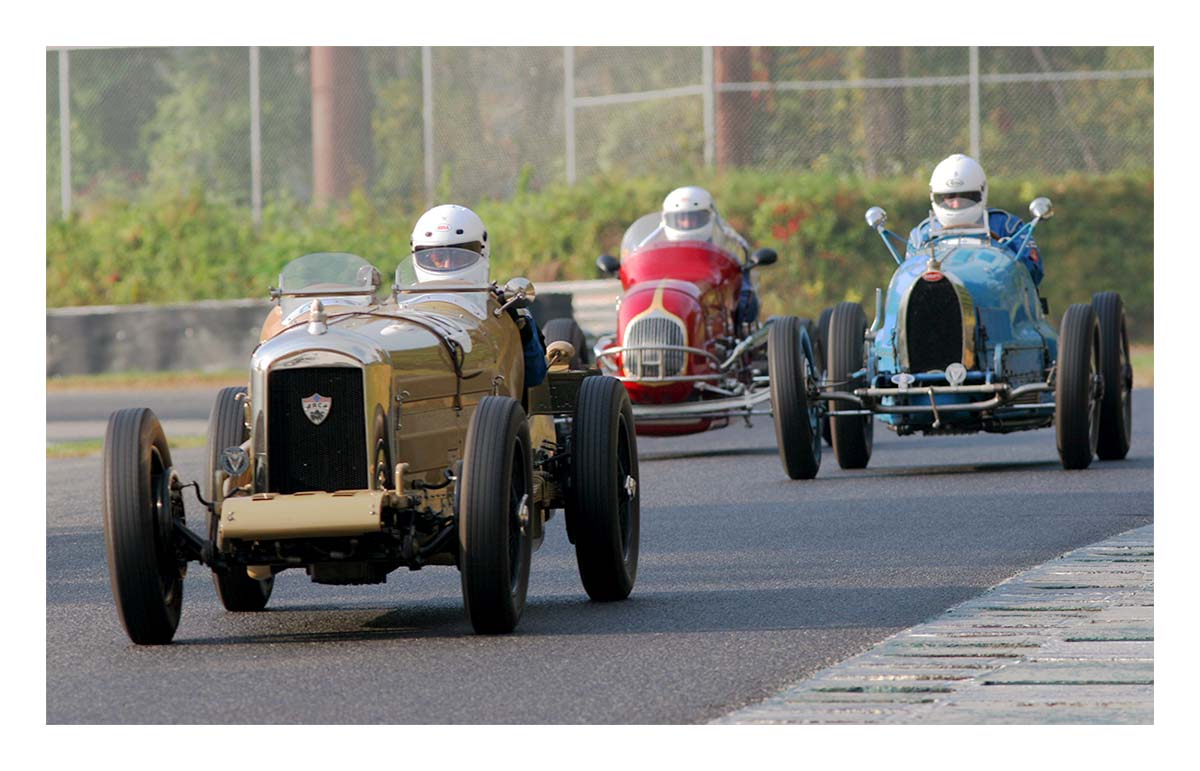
(1070, 641)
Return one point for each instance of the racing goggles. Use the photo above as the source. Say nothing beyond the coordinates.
(688, 219)
(956, 201)
(447, 258)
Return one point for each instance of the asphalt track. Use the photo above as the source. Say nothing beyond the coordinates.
(747, 582)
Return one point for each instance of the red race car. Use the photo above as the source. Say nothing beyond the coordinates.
(691, 351)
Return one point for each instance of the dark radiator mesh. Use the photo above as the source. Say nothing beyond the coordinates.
(933, 326)
(303, 456)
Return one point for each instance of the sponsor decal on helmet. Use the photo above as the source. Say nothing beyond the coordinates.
(316, 408)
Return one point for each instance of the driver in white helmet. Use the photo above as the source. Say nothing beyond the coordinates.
(689, 214)
(958, 194)
(450, 243)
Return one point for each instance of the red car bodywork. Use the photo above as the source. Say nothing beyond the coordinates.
(695, 285)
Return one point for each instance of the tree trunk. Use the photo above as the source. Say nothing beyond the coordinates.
(341, 123)
(731, 64)
(885, 118)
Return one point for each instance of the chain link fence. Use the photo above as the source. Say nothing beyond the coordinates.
(408, 125)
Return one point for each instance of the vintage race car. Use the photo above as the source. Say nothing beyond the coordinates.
(963, 344)
(380, 431)
(691, 352)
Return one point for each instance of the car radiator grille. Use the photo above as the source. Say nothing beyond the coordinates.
(654, 331)
(303, 456)
(933, 326)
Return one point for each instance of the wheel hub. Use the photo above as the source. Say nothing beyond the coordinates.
(630, 487)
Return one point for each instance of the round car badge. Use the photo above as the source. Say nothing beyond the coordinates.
(234, 461)
(903, 379)
(956, 373)
(316, 408)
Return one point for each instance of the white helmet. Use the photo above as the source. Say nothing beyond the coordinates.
(688, 215)
(958, 191)
(450, 242)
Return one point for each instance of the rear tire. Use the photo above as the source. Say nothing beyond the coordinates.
(568, 330)
(140, 509)
(227, 428)
(1116, 408)
(604, 507)
(1077, 391)
(852, 437)
(495, 509)
(797, 425)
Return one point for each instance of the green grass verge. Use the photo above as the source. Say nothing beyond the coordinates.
(145, 380)
(85, 447)
(1142, 357)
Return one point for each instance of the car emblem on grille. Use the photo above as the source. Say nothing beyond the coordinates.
(317, 407)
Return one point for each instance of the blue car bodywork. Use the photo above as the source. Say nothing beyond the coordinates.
(964, 299)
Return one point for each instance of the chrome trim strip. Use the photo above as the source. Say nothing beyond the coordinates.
(740, 405)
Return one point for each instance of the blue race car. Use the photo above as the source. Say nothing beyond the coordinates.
(963, 344)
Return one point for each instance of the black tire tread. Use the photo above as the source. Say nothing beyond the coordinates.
(491, 606)
(607, 570)
(851, 436)
(1115, 429)
(129, 527)
(789, 401)
(1076, 331)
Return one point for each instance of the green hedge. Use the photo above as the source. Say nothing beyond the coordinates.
(186, 247)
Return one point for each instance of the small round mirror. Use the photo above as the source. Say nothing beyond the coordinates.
(764, 256)
(608, 264)
(1041, 208)
(520, 290)
(876, 216)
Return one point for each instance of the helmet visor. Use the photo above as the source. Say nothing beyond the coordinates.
(957, 201)
(446, 259)
(688, 219)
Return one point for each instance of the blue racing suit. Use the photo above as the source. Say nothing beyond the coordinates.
(1002, 225)
(534, 347)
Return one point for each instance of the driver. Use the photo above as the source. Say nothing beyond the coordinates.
(689, 214)
(450, 242)
(958, 192)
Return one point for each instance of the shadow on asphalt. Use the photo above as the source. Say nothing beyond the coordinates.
(691, 612)
(706, 453)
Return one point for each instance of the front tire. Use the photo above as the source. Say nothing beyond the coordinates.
(140, 509)
(495, 512)
(604, 509)
(797, 423)
(853, 437)
(237, 591)
(1078, 387)
(1116, 408)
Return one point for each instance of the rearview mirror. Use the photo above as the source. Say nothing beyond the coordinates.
(876, 216)
(1041, 208)
(608, 264)
(519, 292)
(763, 256)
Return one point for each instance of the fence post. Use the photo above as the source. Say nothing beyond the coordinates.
(974, 89)
(427, 118)
(569, 109)
(64, 131)
(710, 122)
(255, 140)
